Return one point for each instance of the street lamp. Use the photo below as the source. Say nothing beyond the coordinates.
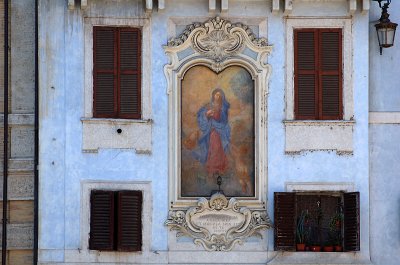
(385, 29)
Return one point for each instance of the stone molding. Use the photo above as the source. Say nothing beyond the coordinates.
(218, 44)
(218, 224)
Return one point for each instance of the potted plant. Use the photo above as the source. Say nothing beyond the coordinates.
(335, 230)
(317, 229)
(301, 231)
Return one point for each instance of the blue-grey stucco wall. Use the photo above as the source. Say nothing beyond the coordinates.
(63, 165)
(384, 145)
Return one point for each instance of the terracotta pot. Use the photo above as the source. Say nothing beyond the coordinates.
(328, 248)
(315, 248)
(338, 248)
(301, 247)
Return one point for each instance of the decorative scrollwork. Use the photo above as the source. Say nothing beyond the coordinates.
(218, 39)
(218, 224)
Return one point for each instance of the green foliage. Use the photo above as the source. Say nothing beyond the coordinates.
(301, 231)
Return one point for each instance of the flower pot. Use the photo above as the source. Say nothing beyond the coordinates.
(315, 248)
(338, 248)
(328, 248)
(301, 247)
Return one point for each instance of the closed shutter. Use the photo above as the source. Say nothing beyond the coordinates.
(101, 220)
(305, 79)
(318, 74)
(104, 72)
(351, 205)
(285, 220)
(129, 221)
(130, 73)
(330, 74)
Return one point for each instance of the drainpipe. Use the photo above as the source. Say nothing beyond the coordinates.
(5, 157)
(36, 162)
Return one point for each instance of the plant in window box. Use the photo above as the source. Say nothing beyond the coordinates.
(316, 231)
(302, 230)
(335, 230)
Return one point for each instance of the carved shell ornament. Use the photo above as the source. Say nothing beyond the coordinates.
(218, 39)
(218, 224)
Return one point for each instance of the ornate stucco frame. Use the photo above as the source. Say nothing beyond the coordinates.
(243, 49)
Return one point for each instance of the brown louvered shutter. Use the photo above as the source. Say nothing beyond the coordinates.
(129, 221)
(305, 73)
(104, 72)
(285, 221)
(330, 74)
(101, 220)
(351, 205)
(130, 73)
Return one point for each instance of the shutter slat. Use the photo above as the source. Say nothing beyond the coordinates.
(330, 50)
(330, 95)
(130, 95)
(285, 233)
(305, 51)
(104, 58)
(129, 49)
(130, 221)
(101, 220)
(104, 94)
(351, 208)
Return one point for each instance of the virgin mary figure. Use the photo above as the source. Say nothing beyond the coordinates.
(213, 144)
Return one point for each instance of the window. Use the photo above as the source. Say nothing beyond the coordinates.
(329, 218)
(115, 220)
(117, 72)
(318, 74)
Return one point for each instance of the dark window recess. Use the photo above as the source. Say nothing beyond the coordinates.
(318, 74)
(116, 220)
(330, 219)
(116, 72)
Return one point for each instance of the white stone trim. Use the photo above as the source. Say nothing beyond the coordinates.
(83, 254)
(326, 135)
(317, 22)
(259, 71)
(104, 131)
(352, 6)
(319, 186)
(212, 5)
(384, 117)
(275, 6)
(319, 135)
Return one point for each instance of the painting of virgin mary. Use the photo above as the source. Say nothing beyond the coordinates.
(217, 132)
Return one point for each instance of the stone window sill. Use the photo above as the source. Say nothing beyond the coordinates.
(116, 134)
(317, 135)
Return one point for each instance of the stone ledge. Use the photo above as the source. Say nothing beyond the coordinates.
(318, 136)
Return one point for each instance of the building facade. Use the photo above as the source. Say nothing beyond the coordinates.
(144, 104)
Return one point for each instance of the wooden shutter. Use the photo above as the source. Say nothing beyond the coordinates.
(305, 73)
(130, 73)
(129, 221)
(104, 72)
(330, 74)
(101, 220)
(318, 74)
(351, 205)
(285, 220)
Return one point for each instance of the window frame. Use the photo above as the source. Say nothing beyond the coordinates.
(285, 235)
(345, 24)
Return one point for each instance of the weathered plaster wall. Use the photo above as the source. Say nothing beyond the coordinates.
(64, 166)
(384, 148)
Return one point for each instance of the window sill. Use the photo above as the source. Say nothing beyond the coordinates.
(288, 257)
(103, 133)
(319, 135)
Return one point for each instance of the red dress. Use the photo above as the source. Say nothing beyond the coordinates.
(217, 161)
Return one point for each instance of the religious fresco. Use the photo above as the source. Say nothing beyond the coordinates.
(217, 132)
